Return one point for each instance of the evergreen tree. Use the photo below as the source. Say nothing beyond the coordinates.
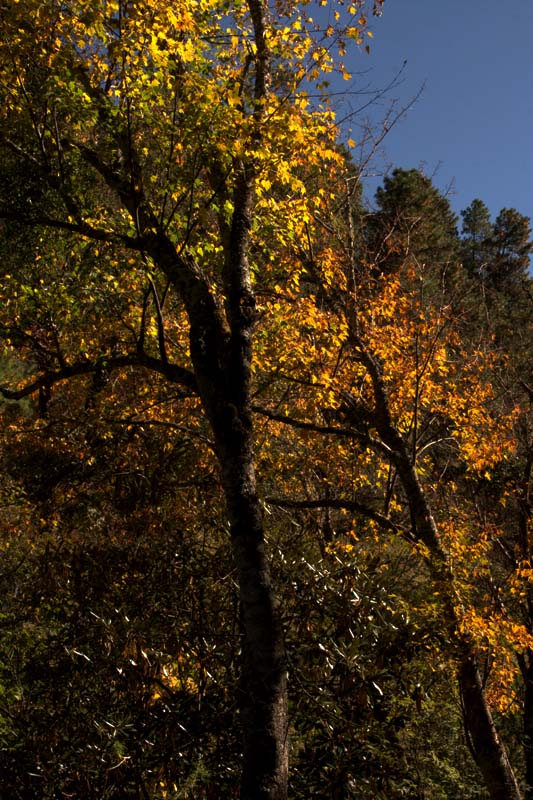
(511, 247)
(477, 231)
(413, 221)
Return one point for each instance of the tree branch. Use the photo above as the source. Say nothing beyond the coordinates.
(172, 372)
(83, 228)
(306, 426)
(344, 505)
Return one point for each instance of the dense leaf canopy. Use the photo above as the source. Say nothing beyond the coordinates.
(250, 428)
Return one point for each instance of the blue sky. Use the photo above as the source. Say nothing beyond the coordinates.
(472, 127)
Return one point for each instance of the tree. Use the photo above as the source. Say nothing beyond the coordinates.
(511, 248)
(186, 201)
(412, 220)
(477, 231)
(401, 410)
(497, 253)
(157, 132)
(505, 322)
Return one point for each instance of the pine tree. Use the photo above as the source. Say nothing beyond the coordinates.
(477, 231)
(413, 221)
(511, 247)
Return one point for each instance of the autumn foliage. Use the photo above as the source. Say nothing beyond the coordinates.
(251, 428)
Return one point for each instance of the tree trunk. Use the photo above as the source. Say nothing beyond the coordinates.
(487, 749)
(527, 674)
(221, 353)
(264, 676)
(223, 373)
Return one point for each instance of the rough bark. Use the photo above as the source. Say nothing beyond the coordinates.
(264, 681)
